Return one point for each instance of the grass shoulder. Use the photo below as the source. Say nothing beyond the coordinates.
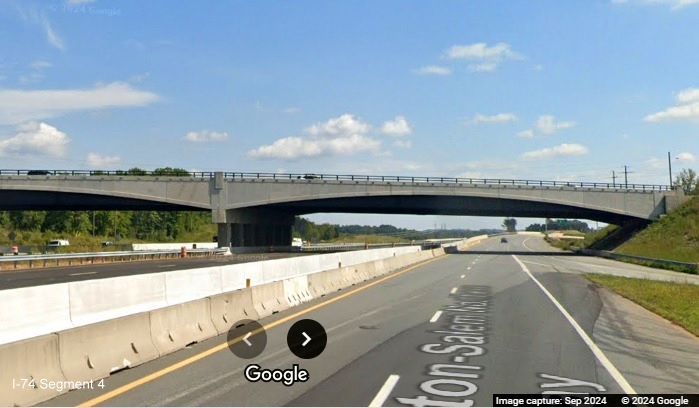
(675, 302)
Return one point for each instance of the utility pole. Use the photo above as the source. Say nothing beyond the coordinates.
(613, 179)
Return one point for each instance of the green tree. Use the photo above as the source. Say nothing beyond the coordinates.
(169, 171)
(510, 224)
(687, 179)
(27, 220)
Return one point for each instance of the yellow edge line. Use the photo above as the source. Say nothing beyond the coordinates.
(150, 377)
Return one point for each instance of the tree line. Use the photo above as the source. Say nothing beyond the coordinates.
(117, 225)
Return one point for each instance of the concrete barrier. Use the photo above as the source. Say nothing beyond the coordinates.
(95, 351)
(192, 284)
(36, 360)
(174, 327)
(269, 298)
(162, 247)
(33, 311)
(296, 290)
(98, 300)
(229, 308)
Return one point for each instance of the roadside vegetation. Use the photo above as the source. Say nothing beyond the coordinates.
(674, 237)
(675, 302)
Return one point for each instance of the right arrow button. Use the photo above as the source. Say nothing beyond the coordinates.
(307, 339)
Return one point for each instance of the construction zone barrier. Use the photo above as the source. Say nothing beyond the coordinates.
(296, 290)
(97, 350)
(28, 368)
(229, 308)
(269, 298)
(174, 327)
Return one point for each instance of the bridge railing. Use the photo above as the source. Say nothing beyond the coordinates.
(347, 177)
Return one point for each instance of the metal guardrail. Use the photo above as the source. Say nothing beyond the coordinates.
(685, 266)
(348, 177)
(91, 257)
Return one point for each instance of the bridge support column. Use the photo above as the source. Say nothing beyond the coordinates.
(255, 227)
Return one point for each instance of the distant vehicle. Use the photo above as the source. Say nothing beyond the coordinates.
(503, 240)
(38, 173)
(58, 243)
(310, 176)
(296, 242)
(107, 243)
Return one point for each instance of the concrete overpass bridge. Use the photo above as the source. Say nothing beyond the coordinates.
(258, 209)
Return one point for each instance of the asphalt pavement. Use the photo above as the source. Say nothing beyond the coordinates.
(454, 330)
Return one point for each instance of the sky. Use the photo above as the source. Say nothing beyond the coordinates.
(538, 90)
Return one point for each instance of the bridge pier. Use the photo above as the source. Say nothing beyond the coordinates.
(255, 227)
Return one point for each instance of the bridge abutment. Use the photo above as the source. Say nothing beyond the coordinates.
(255, 227)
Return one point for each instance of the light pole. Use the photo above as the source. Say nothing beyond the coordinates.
(669, 168)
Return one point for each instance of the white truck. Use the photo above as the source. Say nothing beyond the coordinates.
(58, 243)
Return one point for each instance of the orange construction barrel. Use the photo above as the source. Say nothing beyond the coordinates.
(15, 250)
(183, 252)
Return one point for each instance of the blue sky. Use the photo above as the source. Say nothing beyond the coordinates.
(553, 90)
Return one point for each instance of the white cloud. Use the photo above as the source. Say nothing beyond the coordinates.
(487, 58)
(545, 125)
(403, 144)
(96, 160)
(344, 135)
(483, 67)
(433, 70)
(34, 16)
(343, 125)
(497, 118)
(40, 64)
(18, 106)
(656, 163)
(687, 108)
(688, 95)
(397, 127)
(686, 157)
(34, 138)
(206, 136)
(560, 150)
(292, 110)
(674, 4)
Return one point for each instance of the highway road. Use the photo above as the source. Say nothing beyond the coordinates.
(11, 279)
(452, 331)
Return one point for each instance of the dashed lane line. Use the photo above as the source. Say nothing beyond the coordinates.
(385, 391)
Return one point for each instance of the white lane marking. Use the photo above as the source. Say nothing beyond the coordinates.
(618, 377)
(463, 276)
(468, 268)
(245, 339)
(166, 266)
(82, 273)
(453, 291)
(525, 244)
(436, 316)
(384, 392)
(536, 263)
